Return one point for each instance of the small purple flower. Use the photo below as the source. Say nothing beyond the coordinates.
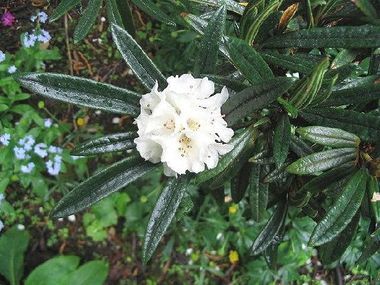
(2, 56)
(12, 69)
(8, 19)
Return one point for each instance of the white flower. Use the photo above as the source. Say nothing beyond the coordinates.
(12, 69)
(27, 142)
(19, 152)
(27, 168)
(41, 150)
(55, 149)
(44, 36)
(43, 17)
(2, 56)
(2, 197)
(54, 166)
(20, 227)
(5, 139)
(189, 251)
(182, 126)
(1, 225)
(72, 218)
(48, 123)
(29, 40)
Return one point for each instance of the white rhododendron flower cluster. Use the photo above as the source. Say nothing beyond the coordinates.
(182, 126)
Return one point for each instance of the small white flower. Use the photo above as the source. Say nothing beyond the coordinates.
(43, 17)
(27, 168)
(20, 227)
(182, 126)
(54, 166)
(71, 218)
(41, 150)
(44, 36)
(219, 236)
(2, 197)
(12, 69)
(294, 75)
(19, 152)
(1, 225)
(5, 139)
(115, 120)
(189, 251)
(29, 40)
(2, 56)
(103, 19)
(48, 123)
(27, 142)
(55, 149)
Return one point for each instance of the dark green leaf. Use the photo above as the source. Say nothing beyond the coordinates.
(137, 59)
(120, 13)
(323, 181)
(300, 147)
(281, 140)
(366, 7)
(322, 161)
(63, 7)
(336, 37)
(13, 244)
(343, 210)
(371, 246)
(248, 61)
(239, 183)
(110, 143)
(333, 250)
(303, 63)
(231, 5)
(101, 185)
(362, 90)
(254, 98)
(329, 136)
(233, 84)
(153, 10)
(258, 194)
(270, 232)
(209, 47)
(231, 162)
(163, 213)
(82, 92)
(87, 20)
(366, 126)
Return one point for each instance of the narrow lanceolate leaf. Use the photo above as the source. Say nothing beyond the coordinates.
(154, 11)
(110, 143)
(239, 183)
(333, 250)
(163, 213)
(230, 163)
(343, 210)
(322, 161)
(82, 92)
(295, 62)
(371, 246)
(101, 185)
(300, 147)
(281, 140)
(233, 84)
(137, 59)
(362, 90)
(211, 40)
(248, 61)
(87, 20)
(365, 126)
(231, 5)
(323, 181)
(367, 8)
(335, 37)
(270, 232)
(329, 136)
(258, 194)
(254, 98)
(63, 7)
(254, 28)
(120, 13)
(306, 92)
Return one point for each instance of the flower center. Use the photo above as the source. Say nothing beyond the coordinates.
(193, 125)
(170, 124)
(185, 145)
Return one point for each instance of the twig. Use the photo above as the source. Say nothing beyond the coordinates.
(68, 45)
